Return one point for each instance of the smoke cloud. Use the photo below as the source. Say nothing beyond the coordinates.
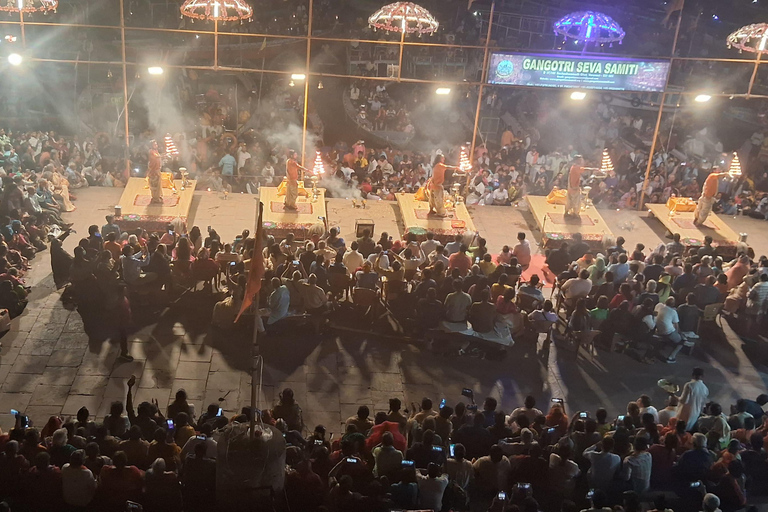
(336, 187)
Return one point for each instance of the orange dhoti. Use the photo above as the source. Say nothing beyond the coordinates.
(436, 195)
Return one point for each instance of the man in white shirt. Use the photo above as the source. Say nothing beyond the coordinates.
(603, 464)
(693, 399)
(669, 412)
(500, 195)
(522, 447)
(668, 326)
(353, 259)
(576, 288)
(432, 487)
(453, 247)
(492, 471)
(77, 481)
(378, 257)
(438, 255)
(646, 408)
(522, 251)
(529, 410)
(430, 244)
(242, 156)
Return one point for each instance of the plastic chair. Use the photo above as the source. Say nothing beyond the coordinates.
(338, 284)
(712, 313)
(394, 289)
(365, 299)
(543, 326)
(527, 302)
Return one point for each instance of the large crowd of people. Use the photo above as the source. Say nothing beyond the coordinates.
(685, 455)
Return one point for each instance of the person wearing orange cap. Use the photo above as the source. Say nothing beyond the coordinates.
(292, 173)
(707, 199)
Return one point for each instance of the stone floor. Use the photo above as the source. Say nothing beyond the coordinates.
(48, 365)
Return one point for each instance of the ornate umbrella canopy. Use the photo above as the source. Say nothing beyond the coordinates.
(219, 10)
(28, 5)
(750, 38)
(404, 17)
(589, 27)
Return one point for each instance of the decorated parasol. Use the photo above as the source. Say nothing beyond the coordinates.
(750, 38)
(29, 6)
(405, 17)
(216, 10)
(589, 27)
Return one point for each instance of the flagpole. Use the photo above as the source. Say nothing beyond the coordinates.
(254, 343)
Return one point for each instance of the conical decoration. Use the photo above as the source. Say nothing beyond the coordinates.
(734, 171)
(465, 164)
(606, 165)
(170, 146)
(319, 167)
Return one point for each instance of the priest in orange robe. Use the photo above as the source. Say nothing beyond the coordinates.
(707, 199)
(292, 186)
(154, 173)
(435, 189)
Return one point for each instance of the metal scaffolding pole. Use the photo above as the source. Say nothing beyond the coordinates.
(125, 89)
(480, 92)
(306, 91)
(661, 112)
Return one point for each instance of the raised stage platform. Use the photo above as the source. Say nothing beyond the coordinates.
(556, 228)
(416, 219)
(725, 239)
(278, 222)
(137, 210)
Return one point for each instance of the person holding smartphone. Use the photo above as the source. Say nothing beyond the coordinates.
(458, 468)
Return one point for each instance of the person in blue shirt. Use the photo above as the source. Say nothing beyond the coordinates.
(227, 165)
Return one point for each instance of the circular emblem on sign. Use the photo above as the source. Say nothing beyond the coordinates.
(505, 68)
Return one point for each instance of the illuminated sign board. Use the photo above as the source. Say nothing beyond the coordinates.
(607, 73)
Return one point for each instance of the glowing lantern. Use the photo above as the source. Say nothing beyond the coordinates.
(319, 167)
(465, 164)
(170, 146)
(734, 171)
(606, 165)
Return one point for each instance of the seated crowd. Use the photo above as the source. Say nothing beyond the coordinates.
(428, 458)
(652, 302)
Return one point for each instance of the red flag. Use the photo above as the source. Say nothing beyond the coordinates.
(257, 269)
